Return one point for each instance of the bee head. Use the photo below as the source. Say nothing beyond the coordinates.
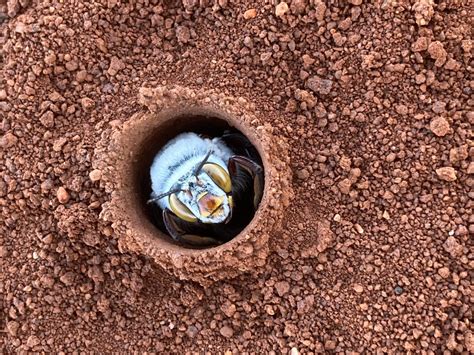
(202, 198)
(203, 195)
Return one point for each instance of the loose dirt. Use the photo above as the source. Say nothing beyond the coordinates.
(375, 102)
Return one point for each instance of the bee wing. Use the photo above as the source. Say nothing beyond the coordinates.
(241, 145)
(255, 171)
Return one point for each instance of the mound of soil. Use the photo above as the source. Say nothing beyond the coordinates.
(375, 102)
(124, 156)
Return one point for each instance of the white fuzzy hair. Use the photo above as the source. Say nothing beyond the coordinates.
(179, 157)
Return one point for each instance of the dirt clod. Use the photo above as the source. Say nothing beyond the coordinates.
(8, 140)
(421, 44)
(12, 327)
(183, 34)
(282, 288)
(319, 85)
(452, 246)
(446, 173)
(320, 9)
(87, 103)
(298, 7)
(437, 52)
(423, 11)
(47, 119)
(67, 278)
(32, 341)
(440, 126)
(115, 66)
(345, 186)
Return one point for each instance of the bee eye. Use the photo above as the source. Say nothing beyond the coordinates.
(180, 209)
(218, 174)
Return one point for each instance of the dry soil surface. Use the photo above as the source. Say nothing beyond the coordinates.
(375, 99)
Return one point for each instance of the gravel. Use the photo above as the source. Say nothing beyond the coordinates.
(375, 102)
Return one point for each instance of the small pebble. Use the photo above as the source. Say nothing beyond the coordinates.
(281, 9)
(282, 287)
(32, 341)
(12, 327)
(95, 175)
(250, 14)
(115, 66)
(226, 332)
(3, 251)
(443, 272)
(8, 140)
(302, 174)
(359, 228)
(470, 168)
(50, 59)
(87, 103)
(62, 195)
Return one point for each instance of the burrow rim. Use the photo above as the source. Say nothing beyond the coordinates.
(142, 131)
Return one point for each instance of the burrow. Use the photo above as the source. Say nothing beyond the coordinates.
(124, 156)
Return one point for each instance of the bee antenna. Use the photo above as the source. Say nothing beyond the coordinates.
(159, 197)
(201, 164)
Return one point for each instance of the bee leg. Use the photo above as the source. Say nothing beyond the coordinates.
(255, 171)
(174, 227)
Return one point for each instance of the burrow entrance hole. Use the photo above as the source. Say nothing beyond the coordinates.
(203, 124)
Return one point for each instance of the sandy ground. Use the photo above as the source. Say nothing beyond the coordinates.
(375, 100)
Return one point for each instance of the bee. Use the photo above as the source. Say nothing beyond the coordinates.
(206, 190)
